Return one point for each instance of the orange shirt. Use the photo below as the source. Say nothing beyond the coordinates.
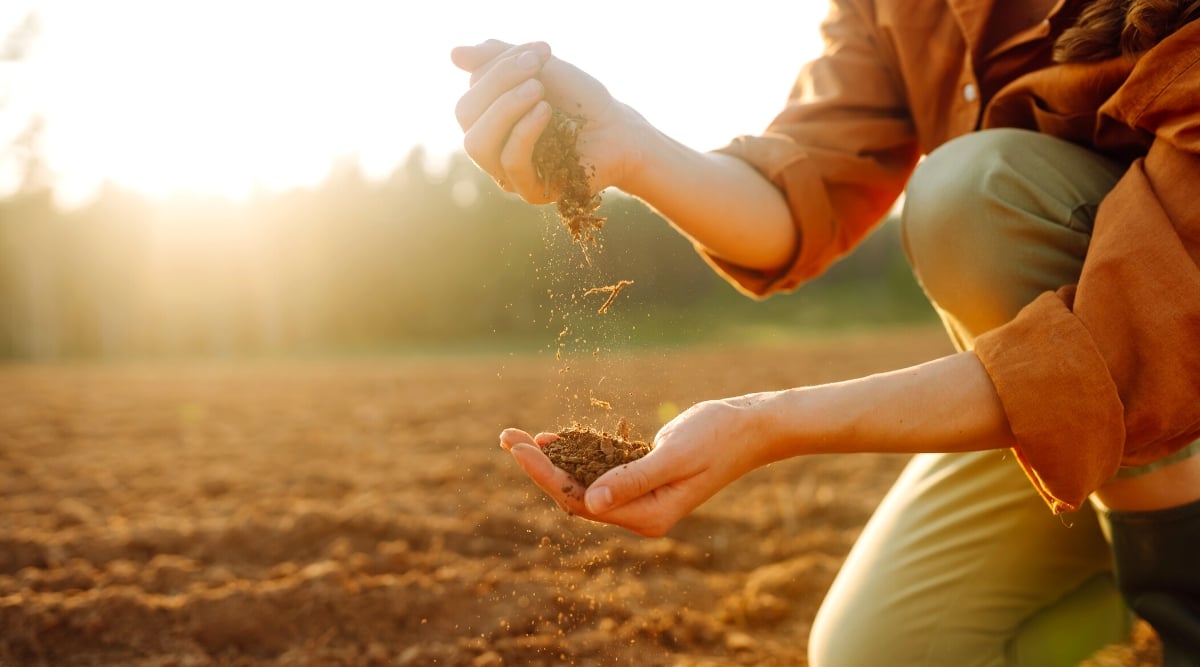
(1096, 375)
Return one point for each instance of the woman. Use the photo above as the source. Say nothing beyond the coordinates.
(1053, 225)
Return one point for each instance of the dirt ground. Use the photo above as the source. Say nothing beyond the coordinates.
(359, 512)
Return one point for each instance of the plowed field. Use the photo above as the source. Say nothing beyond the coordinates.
(359, 512)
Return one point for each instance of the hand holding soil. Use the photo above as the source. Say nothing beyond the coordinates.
(651, 497)
(511, 101)
(693, 457)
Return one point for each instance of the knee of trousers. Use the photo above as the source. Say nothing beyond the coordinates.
(963, 230)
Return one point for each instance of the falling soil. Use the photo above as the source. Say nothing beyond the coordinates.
(586, 453)
(556, 158)
(612, 290)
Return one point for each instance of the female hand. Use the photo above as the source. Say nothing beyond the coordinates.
(695, 455)
(512, 92)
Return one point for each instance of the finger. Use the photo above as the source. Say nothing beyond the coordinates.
(471, 58)
(554, 481)
(627, 483)
(539, 49)
(516, 156)
(543, 439)
(650, 515)
(509, 72)
(512, 436)
(485, 139)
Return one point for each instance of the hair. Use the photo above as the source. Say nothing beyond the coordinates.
(1109, 28)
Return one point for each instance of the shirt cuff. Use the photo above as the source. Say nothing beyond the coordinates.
(1061, 402)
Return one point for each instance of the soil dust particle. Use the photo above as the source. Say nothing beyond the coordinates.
(586, 453)
(556, 159)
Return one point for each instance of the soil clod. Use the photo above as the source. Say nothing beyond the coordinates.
(613, 291)
(586, 453)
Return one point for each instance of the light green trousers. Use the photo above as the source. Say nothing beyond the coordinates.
(963, 564)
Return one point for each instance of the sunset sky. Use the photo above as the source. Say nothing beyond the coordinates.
(223, 96)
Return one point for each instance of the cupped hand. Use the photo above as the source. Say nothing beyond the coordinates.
(513, 90)
(695, 455)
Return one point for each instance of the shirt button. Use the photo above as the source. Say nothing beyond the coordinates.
(969, 92)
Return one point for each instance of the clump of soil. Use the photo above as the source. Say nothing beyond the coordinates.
(556, 158)
(586, 453)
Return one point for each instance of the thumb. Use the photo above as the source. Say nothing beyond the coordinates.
(627, 483)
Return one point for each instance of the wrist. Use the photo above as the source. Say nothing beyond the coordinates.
(772, 435)
(636, 143)
(800, 421)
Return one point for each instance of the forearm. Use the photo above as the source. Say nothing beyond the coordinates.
(945, 405)
(716, 200)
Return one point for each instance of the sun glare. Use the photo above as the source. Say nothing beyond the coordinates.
(207, 97)
(228, 97)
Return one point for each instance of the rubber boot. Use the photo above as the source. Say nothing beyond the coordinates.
(1157, 564)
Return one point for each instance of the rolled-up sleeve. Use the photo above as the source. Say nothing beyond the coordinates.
(1107, 372)
(841, 151)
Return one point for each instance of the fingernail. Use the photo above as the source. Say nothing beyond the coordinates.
(598, 499)
(529, 89)
(528, 60)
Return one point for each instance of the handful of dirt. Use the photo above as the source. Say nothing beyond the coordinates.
(556, 158)
(586, 453)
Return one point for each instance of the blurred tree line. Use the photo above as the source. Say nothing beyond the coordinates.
(432, 256)
(426, 257)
